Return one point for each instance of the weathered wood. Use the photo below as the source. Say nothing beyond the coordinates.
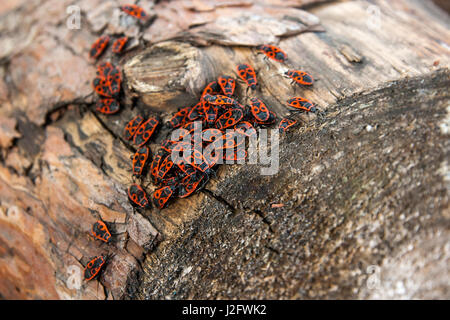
(362, 190)
(364, 185)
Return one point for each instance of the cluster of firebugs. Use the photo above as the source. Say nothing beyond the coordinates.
(217, 110)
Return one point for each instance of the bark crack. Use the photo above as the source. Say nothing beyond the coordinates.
(221, 200)
(264, 220)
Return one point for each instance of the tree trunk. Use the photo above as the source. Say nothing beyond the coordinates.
(359, 206)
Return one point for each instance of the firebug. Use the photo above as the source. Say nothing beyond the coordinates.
(227, 84)
(273, 52)
(138, 196)
(162, 195)
(219, 100)
(134, 11)
(98, 47)
(100, 231)
(145, 131)
(140, 158)
(248, 75)
(259, 110)
(300, 77)
(230, 118)
(93, 267)
(301, 104)
(178, 119)
(212, 88)
(119, 45)
(285, 124)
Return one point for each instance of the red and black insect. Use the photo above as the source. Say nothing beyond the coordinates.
(132, 127)
(196, 112)
(98, 47)
(162, 195)
(301, 104)
(189, 185)
(227, 84)
(100, 231)
(285, 124)
(273, 52)
(219, 100)
(164, 167)
(145, 131)
(138, 196)
(300, 77)
(210, 111)
(188, 129)
(230, 118)
(134, 11)
(93, 267)
(259, 110)
(155, 166)
(211, 157)
(178, 119)
(245, 128)
(248, 75)
(272, 119)
(108, 106)
(119, 45)
(115, 80)
(212, 88)
(140, 158)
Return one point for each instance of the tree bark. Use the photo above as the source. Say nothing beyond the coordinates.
(359, 207)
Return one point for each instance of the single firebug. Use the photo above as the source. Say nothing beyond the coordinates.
(134, 11)
(140, 158)
(138, 196)
(227, 84)
(119, 45)
(301, 104)
(248, 75)
(285, 124)
(93, 267)
(100, 231)
(273, 52)
(162, 195)
(145, 131)
(300, 77)
(259, 110)
(98, 47)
